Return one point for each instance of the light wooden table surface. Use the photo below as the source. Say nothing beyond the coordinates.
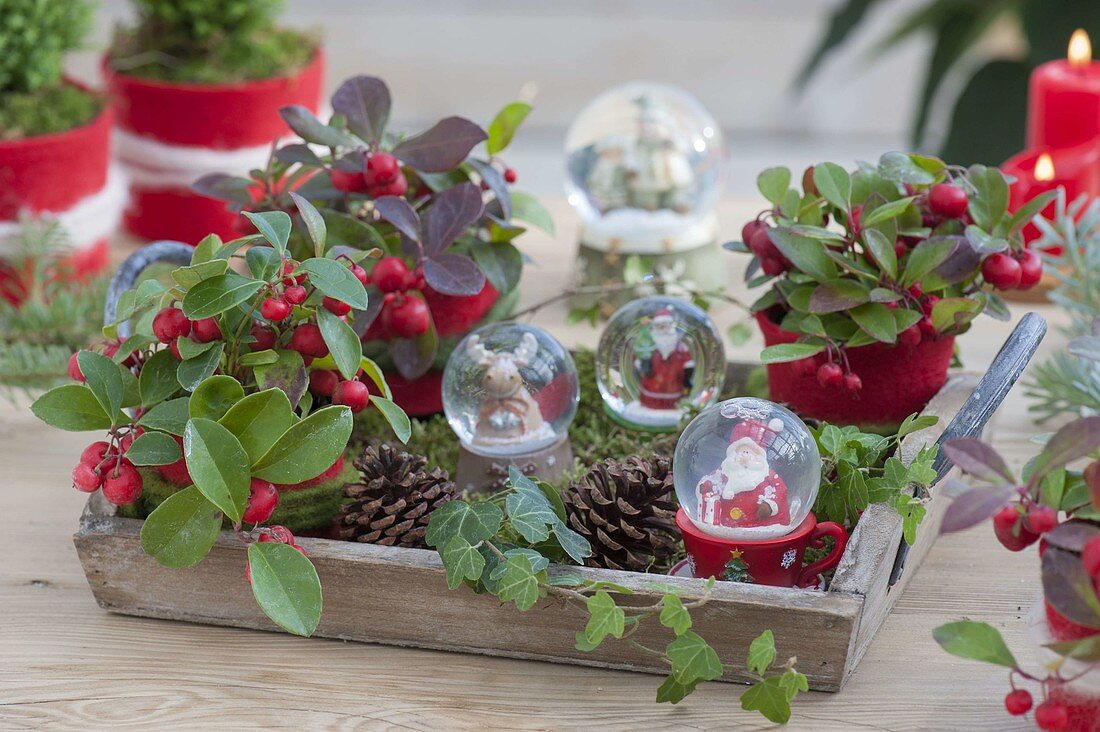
(64, 662)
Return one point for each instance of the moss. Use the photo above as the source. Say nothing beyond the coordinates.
(151, 51)
(47, 109)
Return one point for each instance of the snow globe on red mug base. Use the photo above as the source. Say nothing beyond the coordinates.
(658, 357)
(747, 472)
(510, 392)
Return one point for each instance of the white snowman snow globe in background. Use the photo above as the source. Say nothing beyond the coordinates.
(747, 469)
(657, 358)
(644, 165)
(510, 389)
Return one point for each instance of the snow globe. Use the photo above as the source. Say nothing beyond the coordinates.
(659, 357)
(510, 392)
(747, 472)
(644, 164)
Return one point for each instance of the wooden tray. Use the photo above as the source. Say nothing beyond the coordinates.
(399, 597)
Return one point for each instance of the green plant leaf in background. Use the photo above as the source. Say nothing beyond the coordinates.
(504, 126)
(153, 448)
(71, 407)
(975, 641)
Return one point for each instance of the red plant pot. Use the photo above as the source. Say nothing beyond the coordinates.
(776, 562)
(172, 133)
(61, 174)
(1064, 629)
(897, 381)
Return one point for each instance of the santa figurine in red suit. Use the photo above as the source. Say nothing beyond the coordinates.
(745, 493)
(665, 368)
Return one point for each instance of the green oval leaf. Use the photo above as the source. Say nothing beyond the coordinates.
(157, 380)
(181, 530)
(170, 416)
(784, 352)
(335, 280)
(153, 448)
(975, 641)
(103, 377)
(259, 420)
(315, 223)
(344, 346)
(71, 407)
(214, 397)
(193, 371)
(218, 294)
(395, 415)
(877, 321)
(308, 448)
(834, 183)
(218, 465)
(273, 225)
(504, 126)
(286, 586)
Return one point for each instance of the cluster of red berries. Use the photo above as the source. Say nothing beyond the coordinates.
(102, 465)
(1017, 270)
(403, 315)
(1018, 526)
(351, 393)
(755, 236)
(1050, 715)
(829, 374)
(382, 176)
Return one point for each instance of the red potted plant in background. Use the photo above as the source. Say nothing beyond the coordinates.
(54, 138)
(197, 89)
(873, 273)
(446, 219)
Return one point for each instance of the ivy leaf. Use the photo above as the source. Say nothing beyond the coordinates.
(674, 615)
(395, 416)
(461, 561)
(518, 584)
(103, 376)
(604, 618)
(344, 346)
(182, 529)
(529, 514)
(218, 465)
(308, 448)
(693, 659)
(214, 396)
(364, 101)
(315, 223)
(71, 407)
(286, 586)
(504, 126)
(153, 448)
(218, 294)
(834, 183)
(273, 226)
(784, 352)
(975, 641)
(761, 652)
(335, 280)
(259, 420)
(442, 147)
(575, 545)
(770, 698)
(475, 522)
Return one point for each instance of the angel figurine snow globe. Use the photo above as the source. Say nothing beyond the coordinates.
(658, 357)
(510, 392)
(644, 164)
(747, 472)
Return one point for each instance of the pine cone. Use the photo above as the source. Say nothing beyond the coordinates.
(392, 504)
(627, 511)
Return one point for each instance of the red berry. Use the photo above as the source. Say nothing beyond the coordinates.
(1090, 557)
(262, 500)
(336, 307)
(852, 383)
(1002, 271)
(900, 249)
(308, 341)
(1031, 268)
(265, 337)
(1018, 702)
(1051, 715)
(856, 218)
(295, 294)
(74, 369)
(406, 317)
(206, 330)
(85, 478)
(928, 303)
(1040, 519)
(750, 229)
(275, 310)
(360, 274)
(383, 167)
(830, 375)
(322, 382)
(509, 175)
(947, 200)
(389, 274)
(122, 485)
(398, 187)
(916, 290)
(288, 267)
(170, 324)
(348, 181)
(1010, 530)
(911, 336)
(277, 534)
(94, 453)
(352, 394)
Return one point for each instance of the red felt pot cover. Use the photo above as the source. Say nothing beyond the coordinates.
(54, 172)
(897, 380)
(1064, 629)
(456, 315)
(1083, 708)
(418, 397)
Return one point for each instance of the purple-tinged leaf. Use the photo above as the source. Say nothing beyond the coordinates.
(453, 274)
(497, 185)
(353, 162)
(451, 213)
(1091, 476)
(973, 456)
(960, 263)
(1068, 587)
(442, 147)
(973, 507)
(298, 153)
(1075, 440)
(837, 295)
(364, 318)
(1072, 535)
(365, 103)
(413, 357)
(224, 187)
(313, 130)
(398, 212)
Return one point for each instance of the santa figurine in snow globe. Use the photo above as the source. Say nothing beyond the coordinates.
(747, 472)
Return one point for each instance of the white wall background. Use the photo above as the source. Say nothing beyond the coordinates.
(738, 57)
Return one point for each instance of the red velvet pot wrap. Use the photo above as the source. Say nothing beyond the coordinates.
(1064, 629)
(897, 380)
(160, 119)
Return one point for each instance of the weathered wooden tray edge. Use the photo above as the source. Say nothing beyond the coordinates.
(829, 632)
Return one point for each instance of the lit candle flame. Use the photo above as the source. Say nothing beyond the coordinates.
(1080, 49)
(1044, 168)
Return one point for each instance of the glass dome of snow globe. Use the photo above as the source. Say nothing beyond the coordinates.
(644, 162)
(747, 469)
(510, 389)
(658, 357)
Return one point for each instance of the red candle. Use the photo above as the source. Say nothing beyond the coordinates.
(1076, 170)
(1064, 99)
